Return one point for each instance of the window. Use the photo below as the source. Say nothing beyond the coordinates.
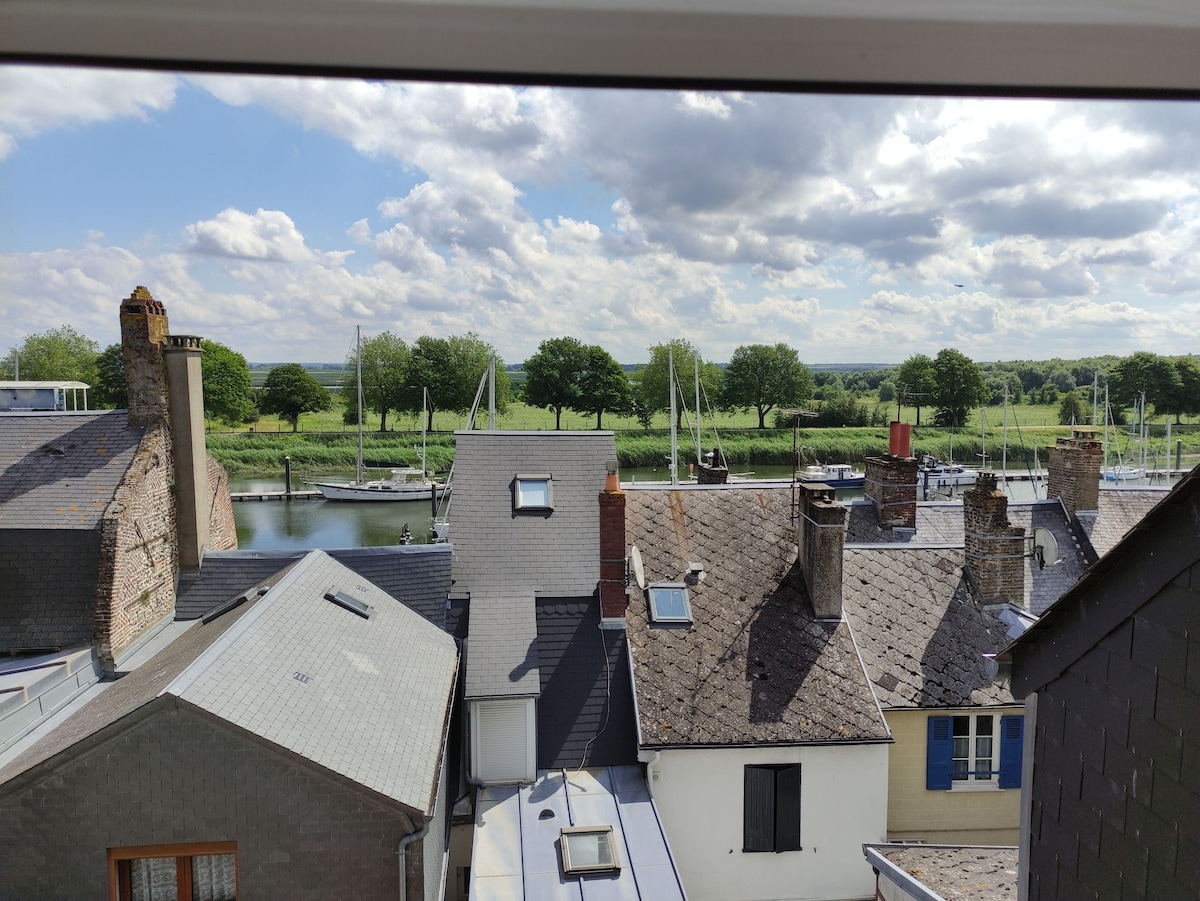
(533, 492)
(191, 872)
(588, 849)
(669, 603)
(771, 814)
(978, 750)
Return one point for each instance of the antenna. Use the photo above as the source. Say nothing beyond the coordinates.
(639, 571)
(1045, 547)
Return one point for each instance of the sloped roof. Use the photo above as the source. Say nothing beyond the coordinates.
(921, 636)
(61, 470)
(1120, 509)
(755, 666)
(417, 574)
(502, 647)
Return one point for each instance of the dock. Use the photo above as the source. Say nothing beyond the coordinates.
(274, 495)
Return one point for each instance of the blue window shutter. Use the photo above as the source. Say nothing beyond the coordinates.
(787, 808)
(1012, 738)
(758, 825)
(939, 752)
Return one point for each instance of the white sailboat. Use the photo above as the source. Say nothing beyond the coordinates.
(404, 484)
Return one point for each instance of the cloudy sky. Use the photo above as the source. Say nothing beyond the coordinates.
(275, 214)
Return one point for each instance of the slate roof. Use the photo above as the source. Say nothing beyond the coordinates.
(61, 470)
(755, 666)
(585, 710)
(367, 699)
(921, 636)
(1120, 509)
(47, 587)
(951, 872)
(417, 575)
(501, 550)
(502, 649)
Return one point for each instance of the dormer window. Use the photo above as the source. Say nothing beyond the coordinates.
(669, 603)
(588, 849)
(533, 493)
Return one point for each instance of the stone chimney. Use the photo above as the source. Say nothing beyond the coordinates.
(821, 537)
(613, 595)
(143, 334)
(995, 549)
(715, 472)
(1074, 471)
(891, 481)
(186, 405)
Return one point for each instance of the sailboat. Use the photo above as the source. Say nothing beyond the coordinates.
(404, 484)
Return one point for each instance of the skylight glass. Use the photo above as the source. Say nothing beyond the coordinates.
(533, 493)
(588, 849)
(670, 604)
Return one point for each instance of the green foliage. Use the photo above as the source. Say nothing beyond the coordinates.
(916, 383)
(451, 368)
(60, 355)
(1147, 373)
(553, 375)
(958, 387)
(111, 389)
(290, 391)
(225, 378)
(653, 386)
(1070, 409)
(765, 376)
(887, 392)
(385, 384)
(603, 386)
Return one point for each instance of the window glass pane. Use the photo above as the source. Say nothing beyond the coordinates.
(668, 603)
(983, 747)
(153, 879)
(533, 493)
(589, 849)
(960, 763)
(214, 877)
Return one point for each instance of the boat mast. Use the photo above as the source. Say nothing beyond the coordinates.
(492, 393)
(1106, 415)
(358, 379)
(424, 410)
(1004, 438)
(674, 432)
(699, 457)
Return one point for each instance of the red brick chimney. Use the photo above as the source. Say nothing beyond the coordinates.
(1074, 471)
(995, 549)
(143, 335)
(822, 535)
(613, 597)
(891, 482)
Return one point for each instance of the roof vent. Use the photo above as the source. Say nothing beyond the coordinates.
(350, 602)
(546, 814)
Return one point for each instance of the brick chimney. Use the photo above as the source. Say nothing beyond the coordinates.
(143, 334)
(613, 596)
(891, 482)
(821, 537)
(995, 549)
(1074, 471)
(186, 405)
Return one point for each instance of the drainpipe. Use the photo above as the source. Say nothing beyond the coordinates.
(402, 854)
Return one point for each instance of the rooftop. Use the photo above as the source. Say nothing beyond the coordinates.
(950, 872)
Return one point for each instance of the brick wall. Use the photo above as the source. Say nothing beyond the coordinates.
(1073, 472)
(1116, 779)
(144, 331)
(995, 549)
(138, 551)
(613, 599)
(178, 776)
(891, 485)
(222, 531)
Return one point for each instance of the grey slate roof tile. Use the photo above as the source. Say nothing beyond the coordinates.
(47, 587)
(703, 685)
(502, 650)
(61, 470)
(921, 636)
(1120, 509)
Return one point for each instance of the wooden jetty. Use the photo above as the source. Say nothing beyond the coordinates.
(274, 495)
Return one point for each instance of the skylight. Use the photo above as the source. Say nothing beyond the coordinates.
(533, 492)
(669, 603)
(588, 849)
(350, 602)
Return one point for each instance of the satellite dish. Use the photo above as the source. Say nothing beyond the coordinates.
(1045, 547)
(639, 571)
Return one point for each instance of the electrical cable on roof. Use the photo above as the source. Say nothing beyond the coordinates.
(607, 700)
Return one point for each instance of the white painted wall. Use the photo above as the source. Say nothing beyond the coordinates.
(843, 803)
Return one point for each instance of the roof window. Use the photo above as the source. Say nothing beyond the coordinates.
(350, 602)
(533, 493)
(588, 849)
(669, 603)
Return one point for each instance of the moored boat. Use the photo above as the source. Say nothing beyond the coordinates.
(835, 475)
(935, 474)
(405, 484)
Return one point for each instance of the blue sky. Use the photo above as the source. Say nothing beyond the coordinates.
(275, 214)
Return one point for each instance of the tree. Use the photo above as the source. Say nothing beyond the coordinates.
(765, 376)
(553, 374)
(1070, 410)
(451, 368)
(225, 378)
(603, 386)
(385, 363)
(111, 389)
(60, 354)
(1186, 401)
(290, 391)
(915, 382)
(654, 393)
(958, 387)
(1147, 373)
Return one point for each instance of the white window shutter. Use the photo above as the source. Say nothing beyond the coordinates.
(504, 741)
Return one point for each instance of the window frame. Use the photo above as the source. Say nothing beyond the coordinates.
(120, 858)
(521, 507)
(777, 827)
(656, 617)
(570, 869)
(1006, 758)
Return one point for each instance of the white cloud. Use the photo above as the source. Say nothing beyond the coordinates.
(263, 235)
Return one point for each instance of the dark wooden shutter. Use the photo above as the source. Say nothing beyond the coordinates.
(939, 754)
(787, 808)
(758, 820)
(1012, 738)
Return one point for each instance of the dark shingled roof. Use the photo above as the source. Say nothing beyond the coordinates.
(61, 470)
(921, 636)
(938, 522)
(417, 574)
(1120, 509)
(755, 665)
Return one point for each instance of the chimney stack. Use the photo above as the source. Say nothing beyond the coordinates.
(822, 535)
(613, 595)
(186, 400)
(891, 481)
(143, 334)
(1074, 471)
(995, 549)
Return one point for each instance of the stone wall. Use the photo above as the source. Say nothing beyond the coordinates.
(891, 485)
(144, 330)
(1074, 471)
(222, 531)
(995, 549)
(139, 557)
(822, 536)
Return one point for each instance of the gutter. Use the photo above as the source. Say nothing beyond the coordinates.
(402, 855)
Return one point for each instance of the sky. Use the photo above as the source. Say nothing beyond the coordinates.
(275, 214)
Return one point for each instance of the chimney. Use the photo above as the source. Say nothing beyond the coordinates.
(995, 549)
(186, 400)
(715, 472)
(143, 334)
(891, 481)
(1074, 471)
(613, 597)
(822, 535)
